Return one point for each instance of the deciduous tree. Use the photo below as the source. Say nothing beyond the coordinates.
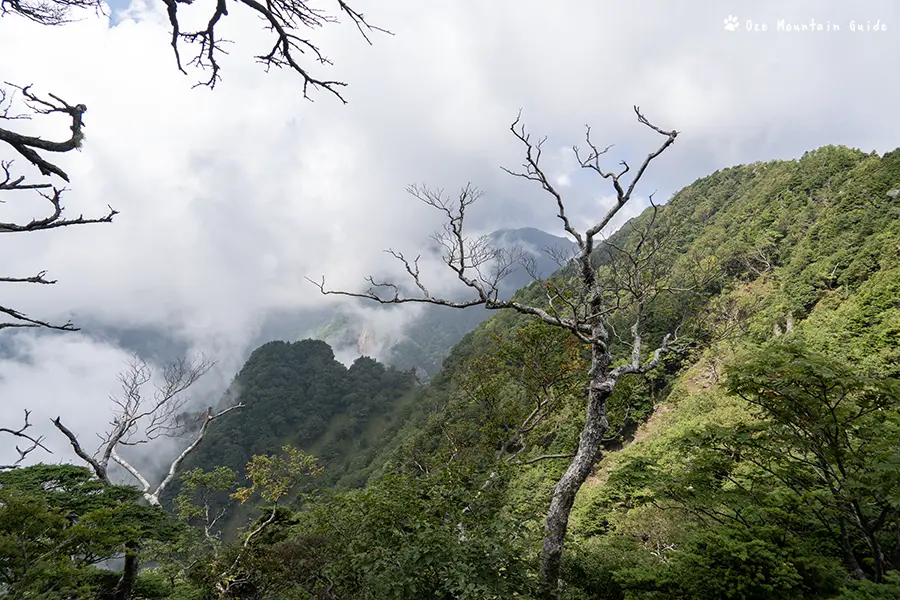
(581, 302)
(828, 434)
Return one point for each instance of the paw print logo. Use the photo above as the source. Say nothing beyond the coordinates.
(731, 22)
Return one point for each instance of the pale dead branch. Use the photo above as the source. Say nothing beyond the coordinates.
(139, 418)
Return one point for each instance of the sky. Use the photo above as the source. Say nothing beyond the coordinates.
(230, 197)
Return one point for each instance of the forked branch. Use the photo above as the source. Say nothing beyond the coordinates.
(152, 495)
(31, 443)
(152, 416)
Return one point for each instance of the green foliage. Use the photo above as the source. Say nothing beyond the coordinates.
(727, 564)
(788, 499)
(201, 490)
(298, 394)
(59, 524)
(273, 477)
(866, 590)
(292, 392)
(513, 389)
(828, 434)
(443, 536)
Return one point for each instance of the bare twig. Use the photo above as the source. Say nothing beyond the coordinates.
(33, 442)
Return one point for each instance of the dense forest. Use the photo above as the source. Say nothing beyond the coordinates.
(298, 394)
(758, 460)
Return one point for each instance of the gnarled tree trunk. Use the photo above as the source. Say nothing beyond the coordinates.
(582, 308)
(596, 425)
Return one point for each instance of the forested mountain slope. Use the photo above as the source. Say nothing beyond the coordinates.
(804, 253)
(298, 394)
(808, 245)
(760, 460)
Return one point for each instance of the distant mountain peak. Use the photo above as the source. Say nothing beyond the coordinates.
(521, 230)
(529, 234)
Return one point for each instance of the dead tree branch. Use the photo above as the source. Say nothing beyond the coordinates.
(32, 443)
(34, 150)
(289, 21)
(139, 419)
(48, 12)
(29, 147)
(24, 321)
(285, 19)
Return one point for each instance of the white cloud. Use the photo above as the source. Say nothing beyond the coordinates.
(67, 376)
(230, 198)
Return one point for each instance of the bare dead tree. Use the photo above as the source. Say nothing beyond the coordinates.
(289, 21)
(583, 304)
(139, 419)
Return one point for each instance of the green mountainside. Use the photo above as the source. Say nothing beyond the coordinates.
(809, 246)
(760, 460)
(298, 394)
(804, 251)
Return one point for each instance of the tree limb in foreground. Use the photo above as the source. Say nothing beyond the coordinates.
(290, 23)
(35, 150)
